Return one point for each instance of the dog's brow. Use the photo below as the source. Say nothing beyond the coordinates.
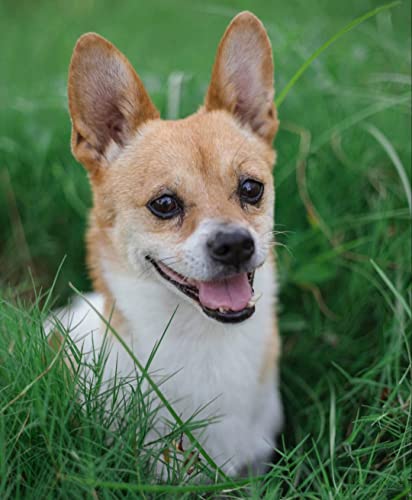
(233, 160)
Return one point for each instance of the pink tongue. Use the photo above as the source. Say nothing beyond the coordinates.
(231, 293)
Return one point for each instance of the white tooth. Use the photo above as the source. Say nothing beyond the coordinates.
(222, 310)
(254, 299)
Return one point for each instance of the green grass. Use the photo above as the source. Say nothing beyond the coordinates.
(343, 202)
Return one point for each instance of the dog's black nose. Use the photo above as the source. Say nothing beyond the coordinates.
(233, 247)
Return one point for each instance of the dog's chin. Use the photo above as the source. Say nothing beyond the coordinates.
(234, 309)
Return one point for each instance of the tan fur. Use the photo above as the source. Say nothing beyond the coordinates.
(234, 77)
(133, 157)
(200, 157)
(55, 341)
(192, 164)
(273, 348)
(107, 100)
(271, 355)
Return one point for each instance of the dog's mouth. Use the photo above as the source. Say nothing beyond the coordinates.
(228, 300)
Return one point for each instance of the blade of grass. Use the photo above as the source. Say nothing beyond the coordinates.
(391, 287)
(157, 343)
(346, 29)
(358, 117)
(33, 382)
(159, 488)
(393, 155)
(332, 434)
(53, 286)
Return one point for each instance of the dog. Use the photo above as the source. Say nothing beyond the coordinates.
(182, 227)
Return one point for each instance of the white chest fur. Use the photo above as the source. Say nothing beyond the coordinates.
(208, 365)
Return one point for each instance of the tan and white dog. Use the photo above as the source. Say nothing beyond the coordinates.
(183, 216)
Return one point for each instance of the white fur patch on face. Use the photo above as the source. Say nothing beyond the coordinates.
(112, 151)
(191, 258)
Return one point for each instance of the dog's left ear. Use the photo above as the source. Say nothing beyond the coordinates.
(242, 77)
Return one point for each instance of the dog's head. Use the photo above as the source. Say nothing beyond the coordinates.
(192, 198)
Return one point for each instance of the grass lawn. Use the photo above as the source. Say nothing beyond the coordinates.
(343, 209)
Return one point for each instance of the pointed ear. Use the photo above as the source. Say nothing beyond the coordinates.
(107, 101)
(242, 77)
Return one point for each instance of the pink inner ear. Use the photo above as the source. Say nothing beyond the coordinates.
(243, 66)
(106, 119)
(115, 127)
(248, 94)
(253, 103)
(242, 79)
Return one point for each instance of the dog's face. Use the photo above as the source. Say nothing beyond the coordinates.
(191, 199)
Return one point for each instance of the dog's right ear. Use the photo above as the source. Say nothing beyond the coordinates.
(107, 101)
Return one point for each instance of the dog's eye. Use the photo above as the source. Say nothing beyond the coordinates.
(165, 207)
(250, 191)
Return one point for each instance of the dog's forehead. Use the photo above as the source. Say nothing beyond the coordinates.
(200, 157)
(212, 141)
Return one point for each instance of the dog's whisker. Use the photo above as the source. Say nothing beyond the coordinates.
(171, 257)
(275, 231)
(171, 261)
